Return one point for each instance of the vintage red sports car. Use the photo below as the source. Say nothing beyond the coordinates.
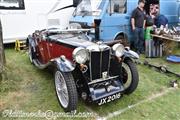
(95, 71)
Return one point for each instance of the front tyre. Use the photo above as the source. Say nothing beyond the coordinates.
(130, 76)
(66, 90)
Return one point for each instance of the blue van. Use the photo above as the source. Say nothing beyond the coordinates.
(115, 16)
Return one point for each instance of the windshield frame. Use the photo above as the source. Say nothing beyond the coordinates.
(88, 8)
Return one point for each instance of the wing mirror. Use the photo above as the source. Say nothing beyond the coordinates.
(116, 8)
(76, 2)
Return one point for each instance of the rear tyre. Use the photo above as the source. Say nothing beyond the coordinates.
(66, 90)
(30, 52)
(130, 76)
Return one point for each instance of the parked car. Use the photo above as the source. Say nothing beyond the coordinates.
(97, 72)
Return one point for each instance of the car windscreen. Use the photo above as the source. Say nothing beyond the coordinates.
(89, 8)
(68, 36)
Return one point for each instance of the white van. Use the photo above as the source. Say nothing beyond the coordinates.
(38, 14)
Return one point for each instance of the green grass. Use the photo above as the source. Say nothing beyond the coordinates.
(162, 108)
(24, 87)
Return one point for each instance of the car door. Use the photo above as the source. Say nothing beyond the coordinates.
(46, 48)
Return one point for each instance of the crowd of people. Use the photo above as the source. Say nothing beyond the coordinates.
(141, 20)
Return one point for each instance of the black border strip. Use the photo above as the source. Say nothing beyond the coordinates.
(21, 6)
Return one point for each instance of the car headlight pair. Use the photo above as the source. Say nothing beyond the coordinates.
(80, 55)
(118, 49)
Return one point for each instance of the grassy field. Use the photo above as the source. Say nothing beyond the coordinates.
(26, 88)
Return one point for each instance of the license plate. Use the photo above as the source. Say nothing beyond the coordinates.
(109, 98)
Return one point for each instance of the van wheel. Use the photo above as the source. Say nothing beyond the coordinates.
(66, 90)
(124, 39)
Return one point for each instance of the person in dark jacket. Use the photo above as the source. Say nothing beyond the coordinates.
(159, 19)
(138, 20)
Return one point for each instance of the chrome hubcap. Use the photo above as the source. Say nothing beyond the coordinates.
(61, 89)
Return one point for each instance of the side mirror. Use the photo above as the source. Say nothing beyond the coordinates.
(76, 2)
(116, 8)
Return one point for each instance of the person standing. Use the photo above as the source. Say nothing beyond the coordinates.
(138, 20)
(159, 19)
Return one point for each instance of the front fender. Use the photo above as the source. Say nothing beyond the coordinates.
(131, 54)
(64, 64)
(31, 43)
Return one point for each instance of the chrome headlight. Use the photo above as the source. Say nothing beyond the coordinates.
(80, 55)
(118, 49)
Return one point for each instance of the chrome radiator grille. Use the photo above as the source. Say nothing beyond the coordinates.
(99, 63)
